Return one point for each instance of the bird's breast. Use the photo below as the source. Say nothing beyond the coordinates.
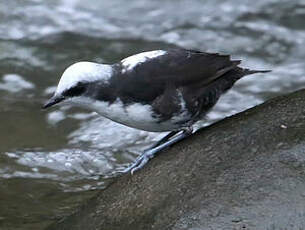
(136, 115)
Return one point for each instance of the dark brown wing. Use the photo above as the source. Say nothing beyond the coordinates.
(184, 67)
(148, 79)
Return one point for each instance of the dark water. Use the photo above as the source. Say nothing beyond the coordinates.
(49, 161)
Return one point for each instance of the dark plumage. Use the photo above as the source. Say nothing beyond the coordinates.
(200, 78)
(154, 91)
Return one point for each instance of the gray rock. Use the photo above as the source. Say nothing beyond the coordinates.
(244, 172)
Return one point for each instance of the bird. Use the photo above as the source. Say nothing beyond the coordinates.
(155, 91)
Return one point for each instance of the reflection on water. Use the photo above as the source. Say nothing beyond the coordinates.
(51, 161)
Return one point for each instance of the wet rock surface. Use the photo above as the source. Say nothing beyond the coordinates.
(244, 172)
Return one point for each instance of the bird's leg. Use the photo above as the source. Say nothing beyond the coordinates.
(150, 153)
(164, 139)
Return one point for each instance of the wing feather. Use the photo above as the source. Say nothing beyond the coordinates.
(148, 79)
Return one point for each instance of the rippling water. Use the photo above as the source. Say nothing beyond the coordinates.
(51, 161)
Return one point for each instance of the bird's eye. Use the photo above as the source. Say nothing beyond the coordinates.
(75, 90)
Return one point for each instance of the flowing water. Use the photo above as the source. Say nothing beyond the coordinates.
(51, 161)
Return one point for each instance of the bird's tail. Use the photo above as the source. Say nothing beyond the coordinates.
(249, 71)
(239, 72)
(225, 82)
(229, 78)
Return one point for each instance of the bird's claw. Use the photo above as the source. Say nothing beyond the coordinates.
(150, 153)
(140, 161)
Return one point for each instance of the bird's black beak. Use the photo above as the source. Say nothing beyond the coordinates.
(53, 101)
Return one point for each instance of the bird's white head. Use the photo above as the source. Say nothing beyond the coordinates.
(75, 78)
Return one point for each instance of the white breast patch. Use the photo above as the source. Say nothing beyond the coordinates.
(135, 115)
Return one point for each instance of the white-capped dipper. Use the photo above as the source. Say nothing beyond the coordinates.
(155, 91)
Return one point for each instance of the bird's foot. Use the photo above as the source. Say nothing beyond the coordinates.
(148, 154)
(140, 161)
